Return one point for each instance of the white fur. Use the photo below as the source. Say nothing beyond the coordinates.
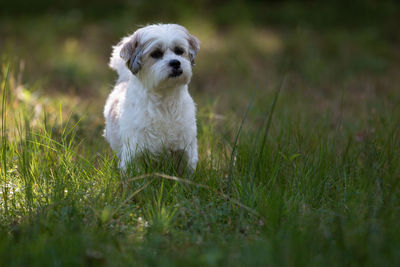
(149, 110)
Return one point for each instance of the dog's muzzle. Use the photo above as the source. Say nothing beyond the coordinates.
(176, 68)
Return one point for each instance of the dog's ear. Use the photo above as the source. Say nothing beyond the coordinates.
(132, 52)
(194, 46)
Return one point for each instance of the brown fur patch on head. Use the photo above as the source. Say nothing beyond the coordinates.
(132, 53)
(194, 47)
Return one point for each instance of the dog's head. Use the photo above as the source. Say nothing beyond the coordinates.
(161, 55)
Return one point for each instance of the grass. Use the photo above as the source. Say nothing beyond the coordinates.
(288, 189)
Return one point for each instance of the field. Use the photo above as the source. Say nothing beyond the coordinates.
(298, 135)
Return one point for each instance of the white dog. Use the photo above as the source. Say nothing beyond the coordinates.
(150, 109)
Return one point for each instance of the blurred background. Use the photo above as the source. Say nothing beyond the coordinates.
(325, 48)
(326, 181)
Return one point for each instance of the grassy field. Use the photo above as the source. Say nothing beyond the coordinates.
(299, 137)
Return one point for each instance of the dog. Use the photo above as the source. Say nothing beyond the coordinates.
(150, 109)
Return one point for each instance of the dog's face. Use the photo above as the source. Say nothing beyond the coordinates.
(161, 56)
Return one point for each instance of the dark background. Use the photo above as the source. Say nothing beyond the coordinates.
(62, 47)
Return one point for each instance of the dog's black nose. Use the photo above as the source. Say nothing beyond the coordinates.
(175, 64)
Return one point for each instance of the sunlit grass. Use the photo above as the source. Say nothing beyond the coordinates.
(272, 186)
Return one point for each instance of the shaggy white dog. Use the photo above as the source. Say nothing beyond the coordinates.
(150, 109)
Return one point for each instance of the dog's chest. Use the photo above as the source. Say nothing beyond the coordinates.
(167, 126)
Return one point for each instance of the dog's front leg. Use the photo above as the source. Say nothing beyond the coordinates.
(127, 154)
(192, 156)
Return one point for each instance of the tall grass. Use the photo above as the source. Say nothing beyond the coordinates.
(300, 191)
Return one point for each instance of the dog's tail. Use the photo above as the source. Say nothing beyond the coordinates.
(118, 64)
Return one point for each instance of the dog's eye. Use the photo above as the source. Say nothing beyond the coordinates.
(157, 54)
(179, 51)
